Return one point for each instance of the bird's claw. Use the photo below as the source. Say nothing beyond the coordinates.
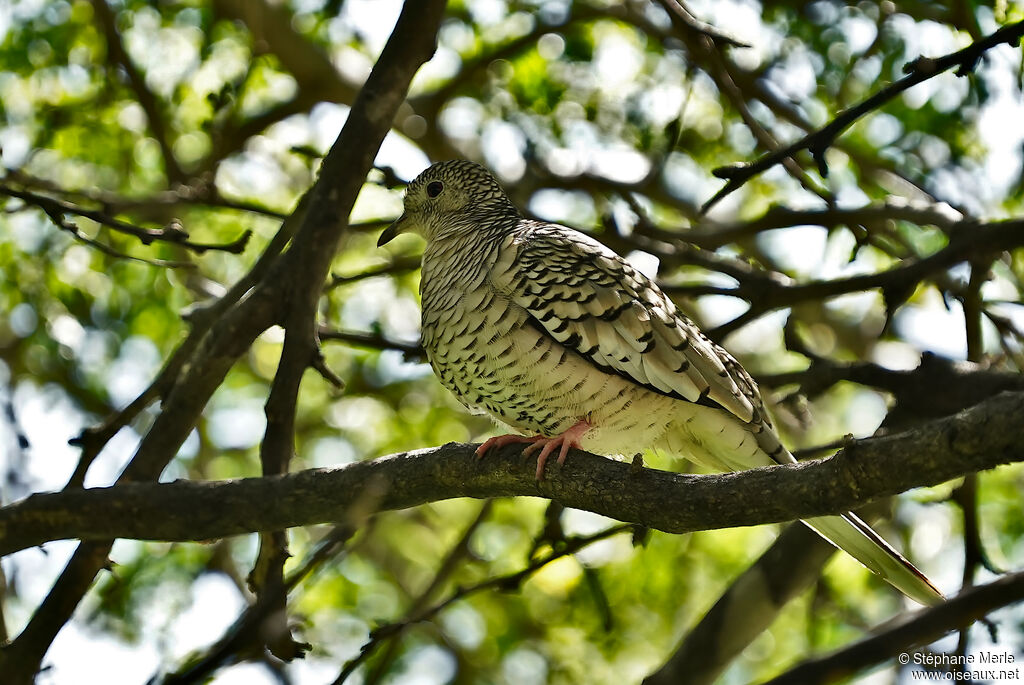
(500, 441)
(563, 443)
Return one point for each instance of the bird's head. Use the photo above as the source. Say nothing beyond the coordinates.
(449, 199)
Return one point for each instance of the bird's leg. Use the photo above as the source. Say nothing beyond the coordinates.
(566, 440)
(502, 440)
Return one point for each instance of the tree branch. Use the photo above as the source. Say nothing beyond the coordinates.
(147, 100)
(981, 437)
(919, 628)
(707, 49)
(747, 608)
(247, 632)
(372, 341)
(510, 580)
(710, 235)
(896, 283)
(918, 71)
(417, 611)
(937, 387)
(299, 272)
(172, 233)
(398, 265)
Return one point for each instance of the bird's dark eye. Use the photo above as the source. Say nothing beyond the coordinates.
(434, 188)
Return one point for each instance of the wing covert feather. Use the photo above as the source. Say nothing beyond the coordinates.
(592, 301)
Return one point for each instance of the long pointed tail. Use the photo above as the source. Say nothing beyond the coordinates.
(720, 442)
(856, 538)
(723, 443)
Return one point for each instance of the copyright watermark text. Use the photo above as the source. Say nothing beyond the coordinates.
(993, 666)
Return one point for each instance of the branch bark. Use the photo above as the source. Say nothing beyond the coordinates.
(982, 437)
(300, 272)
(918, 71)
(751, 604)
(896, 283)
(919, 628)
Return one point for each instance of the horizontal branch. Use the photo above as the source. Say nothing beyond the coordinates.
(710, 235)
(896, 283)
(398, 265)
(172, 233)
(981, 437)
(937, 387)
(373, 341)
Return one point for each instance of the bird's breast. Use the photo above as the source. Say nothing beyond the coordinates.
(486, 350)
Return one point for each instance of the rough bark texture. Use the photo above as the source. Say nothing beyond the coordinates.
(982, 437)
(261, 299)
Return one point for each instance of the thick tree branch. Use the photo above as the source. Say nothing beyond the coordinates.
(982, 437)
(298, 273)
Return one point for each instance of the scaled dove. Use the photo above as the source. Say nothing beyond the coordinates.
(558, 338)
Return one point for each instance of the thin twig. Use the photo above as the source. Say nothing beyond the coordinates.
(248, 627)
(171, 233)
(711, 235)
(509, 581)
(397, 266)
(918, 71)
(705, 44)
(58, 220)
(197, 192)
(373, 341)
(444, 571)
(681, 14)
(150, 105)
(896, 283)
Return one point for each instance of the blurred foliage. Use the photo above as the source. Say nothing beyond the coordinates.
(598, 115)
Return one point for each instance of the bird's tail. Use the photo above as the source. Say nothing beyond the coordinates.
(728, 445)
(856, 538)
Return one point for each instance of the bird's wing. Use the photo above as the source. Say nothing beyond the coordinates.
(589, 299)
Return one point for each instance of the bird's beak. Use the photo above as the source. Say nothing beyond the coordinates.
(391, 231)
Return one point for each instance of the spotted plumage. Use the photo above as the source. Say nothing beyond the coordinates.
(557, 337)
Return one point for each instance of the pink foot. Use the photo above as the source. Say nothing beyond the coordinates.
(565, 441)
(501, 441)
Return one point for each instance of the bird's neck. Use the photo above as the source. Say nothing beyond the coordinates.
(459, 262)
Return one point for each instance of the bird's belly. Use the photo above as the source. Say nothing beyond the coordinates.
(528, 381)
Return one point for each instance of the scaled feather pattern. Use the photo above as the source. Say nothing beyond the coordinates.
(555, 336)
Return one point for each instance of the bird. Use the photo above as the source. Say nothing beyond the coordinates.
(566, 345)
